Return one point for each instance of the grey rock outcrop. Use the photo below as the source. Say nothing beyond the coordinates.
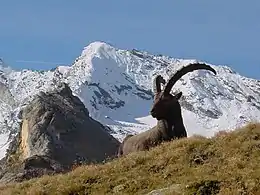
(56, 133)
(6, 95)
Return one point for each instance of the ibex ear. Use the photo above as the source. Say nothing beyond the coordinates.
(163, 81)
(178, 96)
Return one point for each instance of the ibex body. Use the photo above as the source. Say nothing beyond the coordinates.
(167, 110)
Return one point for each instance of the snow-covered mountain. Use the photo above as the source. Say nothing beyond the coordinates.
(116, 87)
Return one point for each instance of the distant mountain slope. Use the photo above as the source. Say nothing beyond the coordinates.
(116, 87)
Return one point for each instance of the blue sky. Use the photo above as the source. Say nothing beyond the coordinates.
(55, 31)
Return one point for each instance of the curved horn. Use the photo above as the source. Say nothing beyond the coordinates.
(157, 85)
(183, 71)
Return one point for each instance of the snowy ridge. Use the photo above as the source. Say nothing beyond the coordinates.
(116, 87)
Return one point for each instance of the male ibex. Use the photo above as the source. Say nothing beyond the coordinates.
(167, 110)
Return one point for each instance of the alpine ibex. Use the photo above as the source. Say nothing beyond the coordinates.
(167, 110)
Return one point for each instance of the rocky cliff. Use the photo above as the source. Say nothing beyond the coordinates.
(56, 133)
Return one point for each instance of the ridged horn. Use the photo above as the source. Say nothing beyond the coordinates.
(157, 85)
(183, 71)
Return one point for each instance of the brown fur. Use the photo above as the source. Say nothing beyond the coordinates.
(167, 110)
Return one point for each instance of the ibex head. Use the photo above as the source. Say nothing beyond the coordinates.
(166, 105)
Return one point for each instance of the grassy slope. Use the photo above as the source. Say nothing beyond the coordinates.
(229, 163)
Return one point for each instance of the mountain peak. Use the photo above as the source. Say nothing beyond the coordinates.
(97, 48)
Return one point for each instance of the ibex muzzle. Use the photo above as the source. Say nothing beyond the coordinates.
(166, 104)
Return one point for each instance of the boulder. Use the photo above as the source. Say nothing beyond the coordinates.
(56, 133)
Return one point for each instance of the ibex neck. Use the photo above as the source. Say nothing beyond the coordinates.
(165, 127)
(178, 128)
(172, 128)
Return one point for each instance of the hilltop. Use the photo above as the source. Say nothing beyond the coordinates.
(227, 163)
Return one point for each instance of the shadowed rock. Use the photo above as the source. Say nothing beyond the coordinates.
(56, 133)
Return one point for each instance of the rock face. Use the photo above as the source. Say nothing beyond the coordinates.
(56, 133)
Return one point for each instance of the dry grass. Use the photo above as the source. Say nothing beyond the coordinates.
(226, 164)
